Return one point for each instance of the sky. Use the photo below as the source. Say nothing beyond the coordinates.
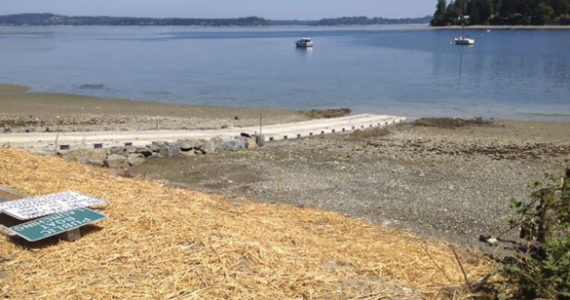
(271, 9)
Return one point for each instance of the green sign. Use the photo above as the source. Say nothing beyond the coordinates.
(57, 223)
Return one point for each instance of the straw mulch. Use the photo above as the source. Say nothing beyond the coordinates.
(166, 243)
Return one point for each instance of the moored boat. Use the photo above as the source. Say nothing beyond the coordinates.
(464, 41)
(304, 43)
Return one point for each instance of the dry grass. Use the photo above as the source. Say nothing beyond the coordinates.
(450, 122)
(369, 133)
(166, 243)
(328, 113)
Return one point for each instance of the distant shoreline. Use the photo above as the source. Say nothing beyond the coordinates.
(502, 27)
(25, 110)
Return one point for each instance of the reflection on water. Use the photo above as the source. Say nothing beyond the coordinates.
(370, 69)
(304, 51)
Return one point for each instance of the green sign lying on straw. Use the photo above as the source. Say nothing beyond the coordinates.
(57, 223)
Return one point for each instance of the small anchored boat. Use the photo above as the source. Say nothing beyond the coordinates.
(464, 41)
(304, 43)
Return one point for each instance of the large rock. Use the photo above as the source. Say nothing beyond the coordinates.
(235, 144)
(135, 159)
(145, 151)
(188, 145)
(167, 149)
(115, 161)
(118, 150)
(218, 143)
(97, 157)
(207, 146)
(131, 149)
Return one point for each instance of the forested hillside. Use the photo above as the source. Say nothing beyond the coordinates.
(502, 12)
(51, 20)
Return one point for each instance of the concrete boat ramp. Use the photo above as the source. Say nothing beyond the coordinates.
(50, 141)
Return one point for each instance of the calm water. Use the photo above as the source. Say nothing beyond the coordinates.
(384, 69)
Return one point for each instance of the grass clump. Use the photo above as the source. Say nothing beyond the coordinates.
(328, 113)
(450, 122)
(369, 133)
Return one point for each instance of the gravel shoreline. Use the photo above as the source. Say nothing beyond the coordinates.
(448, 183)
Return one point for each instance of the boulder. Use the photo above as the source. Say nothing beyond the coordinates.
(167, 149)
(115, 161)
(218, 143)
(207, 146)
(145, 151)
(135, 159)
(97, 157)
(236, 144)
(155, 146)
(131, 149)
(187, 145)
(117, 150)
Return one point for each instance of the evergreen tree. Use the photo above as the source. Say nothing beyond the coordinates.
(438, 17)
(486, 11)
(542, 14)
(513, 12)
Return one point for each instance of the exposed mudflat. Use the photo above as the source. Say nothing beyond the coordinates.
(39, 112)
(449, 183)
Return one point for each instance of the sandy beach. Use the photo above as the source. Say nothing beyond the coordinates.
(40, 112)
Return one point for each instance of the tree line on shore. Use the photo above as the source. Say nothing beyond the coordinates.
(502, 12)
(34, 19)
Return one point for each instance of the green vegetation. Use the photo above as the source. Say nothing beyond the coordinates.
(370, 21)
(328, 113)
(502, 12)
(450, 122)
(51, 19)
(541, 266)
(54, 20)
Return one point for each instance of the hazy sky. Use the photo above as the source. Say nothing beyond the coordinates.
(273, 9)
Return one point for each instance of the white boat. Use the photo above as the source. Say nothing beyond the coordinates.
(304, 43)
(464, 41)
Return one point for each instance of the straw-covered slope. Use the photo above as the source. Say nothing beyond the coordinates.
(166, 243)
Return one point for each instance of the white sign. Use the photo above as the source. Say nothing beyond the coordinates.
(30, 208)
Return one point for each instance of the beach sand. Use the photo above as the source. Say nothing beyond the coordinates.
(25, 111)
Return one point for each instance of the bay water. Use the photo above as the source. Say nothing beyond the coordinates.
(406, 70)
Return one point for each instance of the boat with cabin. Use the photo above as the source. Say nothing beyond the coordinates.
(304, 43)
(463, 40)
